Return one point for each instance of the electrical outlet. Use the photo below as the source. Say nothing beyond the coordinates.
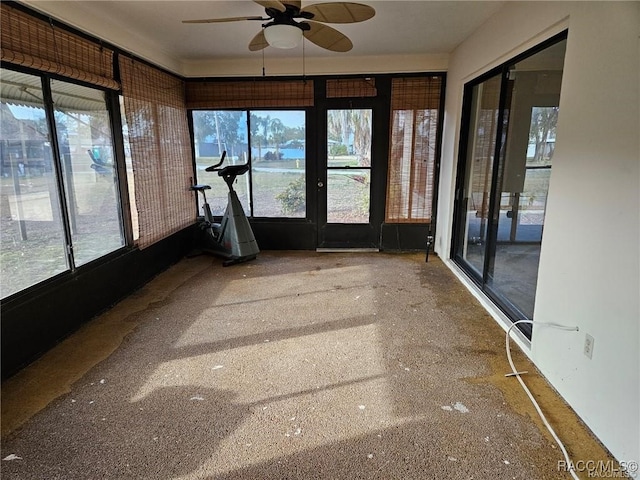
(588, 345)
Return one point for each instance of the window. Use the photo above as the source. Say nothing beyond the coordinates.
(88, 171)
(273, 141)
(349, 137)
(278, 163)
(505, 163)
(33, 237)
(59, 192)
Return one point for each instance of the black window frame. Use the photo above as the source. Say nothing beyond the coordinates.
(113, 108)
(459, 211)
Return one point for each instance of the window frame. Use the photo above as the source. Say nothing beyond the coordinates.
(480, 279)
(120, 181)
(247, 112)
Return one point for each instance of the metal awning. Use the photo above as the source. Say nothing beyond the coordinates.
(17, 88)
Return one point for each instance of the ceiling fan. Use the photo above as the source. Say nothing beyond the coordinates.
(283, 31)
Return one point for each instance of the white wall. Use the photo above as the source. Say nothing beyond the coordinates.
(590, 262)
(316, 65)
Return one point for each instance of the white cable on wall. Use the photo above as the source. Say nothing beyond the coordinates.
(528, 392)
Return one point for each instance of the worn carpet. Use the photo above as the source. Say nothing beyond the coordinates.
(298, 365)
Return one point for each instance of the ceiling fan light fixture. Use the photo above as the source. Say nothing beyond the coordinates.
(282, 35)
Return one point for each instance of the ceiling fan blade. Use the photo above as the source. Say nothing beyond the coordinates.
(340, 12)
(219, 20)
(258, 42)
(326, 37)
(293, 3)
(271, 4)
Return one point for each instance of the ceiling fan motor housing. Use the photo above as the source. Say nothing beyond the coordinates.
(287, 17)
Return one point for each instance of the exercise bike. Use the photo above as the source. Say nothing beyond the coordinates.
(232, 238)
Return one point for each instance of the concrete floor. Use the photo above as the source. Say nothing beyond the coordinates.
(298, 365)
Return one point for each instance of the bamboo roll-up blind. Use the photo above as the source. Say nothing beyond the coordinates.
(250, 94)
(351, 87)
(32, 42)
(156, 115)
(415, 103)
(415, 93)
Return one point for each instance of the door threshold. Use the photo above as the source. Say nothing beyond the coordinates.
(347, 250)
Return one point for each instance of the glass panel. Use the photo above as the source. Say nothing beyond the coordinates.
(90, 178)
(533, 99)
(348, 195)
(32, 234)
(349, 138)
(215, 131)
(479, 171)
(278, 163)
(348, 147)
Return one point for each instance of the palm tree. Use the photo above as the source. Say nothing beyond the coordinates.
(277, 135)
(265, 122)
(256, 139)
(260, 123)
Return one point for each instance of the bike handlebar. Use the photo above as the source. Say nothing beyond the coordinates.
(230, 172)
(213, 168)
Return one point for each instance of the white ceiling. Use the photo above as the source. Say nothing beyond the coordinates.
(154, 30)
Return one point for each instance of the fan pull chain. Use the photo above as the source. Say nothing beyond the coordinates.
(263, 74)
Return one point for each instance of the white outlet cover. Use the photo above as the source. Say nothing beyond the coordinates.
(588, 345)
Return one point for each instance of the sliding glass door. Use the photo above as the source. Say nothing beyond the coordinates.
(483, 117)
(59, 192)
(506, 155)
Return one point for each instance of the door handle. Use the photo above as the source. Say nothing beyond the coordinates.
(320, 184)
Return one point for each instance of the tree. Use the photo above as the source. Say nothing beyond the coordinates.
(543, 127)
(338, 127)
(220, 126)
(260, 129)
(277, 135)
(347, 126)
(265, 124)
(295, 133)
(229, 129)
(361, 121)
(204, 126)
(257, 139)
